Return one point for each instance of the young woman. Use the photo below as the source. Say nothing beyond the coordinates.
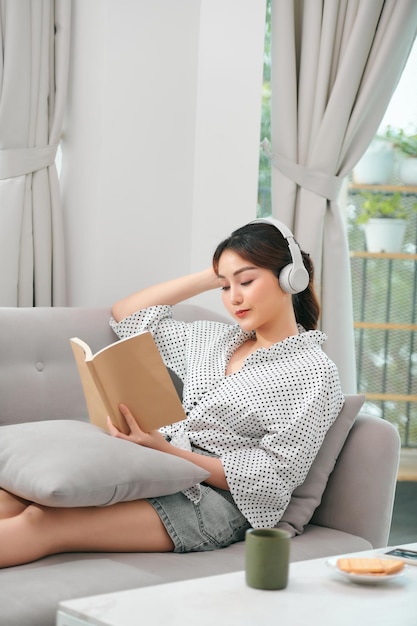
(259, 396)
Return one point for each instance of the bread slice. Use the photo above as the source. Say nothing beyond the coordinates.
(370, 566)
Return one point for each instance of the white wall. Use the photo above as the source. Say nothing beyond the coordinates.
(160, 150)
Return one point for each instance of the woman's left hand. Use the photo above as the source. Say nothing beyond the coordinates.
(154, 439)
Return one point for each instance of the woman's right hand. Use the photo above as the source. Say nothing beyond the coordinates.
(154, 439)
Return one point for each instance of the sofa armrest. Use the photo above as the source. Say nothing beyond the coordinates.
(359, 495)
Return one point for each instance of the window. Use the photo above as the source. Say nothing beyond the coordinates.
(384, 289)
(384, 286)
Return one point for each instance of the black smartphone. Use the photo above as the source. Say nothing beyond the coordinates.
(408, 556)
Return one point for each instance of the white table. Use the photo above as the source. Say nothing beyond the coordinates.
(315, 596)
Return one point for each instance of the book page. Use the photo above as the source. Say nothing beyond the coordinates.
(132, 372)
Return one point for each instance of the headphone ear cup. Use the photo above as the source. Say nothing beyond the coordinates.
(293, 280)
(294, 277)
(284, 278)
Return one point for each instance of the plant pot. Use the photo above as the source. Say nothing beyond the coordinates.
(384, 235)
(408, 171)
(376, 167)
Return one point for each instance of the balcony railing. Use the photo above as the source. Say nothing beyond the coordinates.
(384, 289)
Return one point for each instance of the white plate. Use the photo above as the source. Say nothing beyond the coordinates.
(364, 579)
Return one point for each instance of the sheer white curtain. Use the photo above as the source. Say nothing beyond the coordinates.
(34, 55)
(335, 65)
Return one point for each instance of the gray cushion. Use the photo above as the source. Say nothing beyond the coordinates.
(307, 497)
(67, 463)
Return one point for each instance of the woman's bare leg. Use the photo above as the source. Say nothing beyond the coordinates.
(40, 531)
(11, 505)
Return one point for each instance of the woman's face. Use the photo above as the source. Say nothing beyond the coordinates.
(252, 295)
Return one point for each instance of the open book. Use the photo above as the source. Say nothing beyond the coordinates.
(130, 371)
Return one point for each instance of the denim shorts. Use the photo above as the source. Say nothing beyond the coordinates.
(214, 522)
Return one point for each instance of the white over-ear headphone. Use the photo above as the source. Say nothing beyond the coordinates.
(294, 277)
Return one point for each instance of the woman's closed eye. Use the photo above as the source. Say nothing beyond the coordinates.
(244, 283)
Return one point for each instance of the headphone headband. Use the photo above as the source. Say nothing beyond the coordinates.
(294, 277)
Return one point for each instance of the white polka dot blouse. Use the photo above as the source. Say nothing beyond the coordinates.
(265, 422)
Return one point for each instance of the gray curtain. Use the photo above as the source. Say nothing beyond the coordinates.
(335, 65)
(34, 55)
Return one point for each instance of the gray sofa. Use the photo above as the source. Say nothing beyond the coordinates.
(39, 381)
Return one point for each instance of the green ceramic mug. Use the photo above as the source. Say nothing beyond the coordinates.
(267, 557)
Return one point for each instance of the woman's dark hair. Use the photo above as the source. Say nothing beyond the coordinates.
(265, 246)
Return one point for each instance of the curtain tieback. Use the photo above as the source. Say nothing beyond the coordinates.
(20, 161)
(320, 183)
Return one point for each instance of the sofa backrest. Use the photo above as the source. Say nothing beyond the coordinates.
(38, 376)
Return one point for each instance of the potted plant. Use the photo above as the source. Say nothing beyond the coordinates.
(376, 167)
(405, 143)
(384, 219)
